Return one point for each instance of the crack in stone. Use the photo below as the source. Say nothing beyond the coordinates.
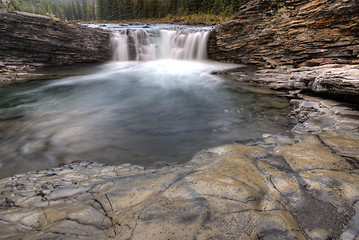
(244, 183)
(351, 160)
(280, 193)
(346, 170)
(152, 199)
(102, 207)
(231, 199)
(134, 226)
(254, 210)
(109, 202)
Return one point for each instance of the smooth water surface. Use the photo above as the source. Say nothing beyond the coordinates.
(164, 109)
(129, 112)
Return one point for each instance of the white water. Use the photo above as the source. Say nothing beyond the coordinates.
(138, 112)
(140, 45)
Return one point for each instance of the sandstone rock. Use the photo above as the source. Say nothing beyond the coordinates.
(289, 33)
(334, 81)
(344, 144)
(66, 192)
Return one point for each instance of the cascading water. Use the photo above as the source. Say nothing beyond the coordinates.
(140, 45)
(133, 110)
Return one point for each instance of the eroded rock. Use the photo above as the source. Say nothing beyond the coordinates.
(304, 188)
(289, 33)
(30, 42)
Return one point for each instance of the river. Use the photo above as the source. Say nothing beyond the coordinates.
(155, 102)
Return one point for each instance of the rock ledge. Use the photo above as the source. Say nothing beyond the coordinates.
(30, 42)
(300, 184)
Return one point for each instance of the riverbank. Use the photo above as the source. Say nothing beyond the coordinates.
(32, 42)
(298, 184)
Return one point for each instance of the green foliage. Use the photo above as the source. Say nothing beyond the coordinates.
(12, 8)
(190, 11)
(218, 7)
(115, 10)
(64, 10)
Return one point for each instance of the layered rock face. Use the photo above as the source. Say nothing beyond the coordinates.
(290, 33)
(29, 42)
(335, 81)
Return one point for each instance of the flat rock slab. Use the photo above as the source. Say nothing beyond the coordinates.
(302, 186)
(332, 79)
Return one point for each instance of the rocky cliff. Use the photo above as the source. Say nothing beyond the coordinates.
(290, 33)
(29, 42)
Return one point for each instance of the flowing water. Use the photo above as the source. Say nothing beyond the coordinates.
(156, 101)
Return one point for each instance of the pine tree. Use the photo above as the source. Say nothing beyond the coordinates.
(195, 6)
(100, 9)
(139, 9)
(85, 10)
(218, 7)
(78, 10)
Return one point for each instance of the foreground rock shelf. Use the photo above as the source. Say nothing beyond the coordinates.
(300, 184)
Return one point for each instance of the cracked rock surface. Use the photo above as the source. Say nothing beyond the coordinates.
(301, 184)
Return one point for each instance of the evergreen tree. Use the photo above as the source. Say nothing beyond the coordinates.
(93, 11)
(78, 10)
(218, 7)
(139, 9)
(100, 9)
(85, 10)
(195, 6)
(123, 9)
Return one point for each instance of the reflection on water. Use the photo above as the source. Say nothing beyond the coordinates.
(136, 112)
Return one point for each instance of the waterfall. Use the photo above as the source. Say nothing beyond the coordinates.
(119, 52)
(141, 45)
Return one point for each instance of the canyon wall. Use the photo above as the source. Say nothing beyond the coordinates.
(289, 33)
(30, 42)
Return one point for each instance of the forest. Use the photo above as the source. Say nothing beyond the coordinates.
(127, 10)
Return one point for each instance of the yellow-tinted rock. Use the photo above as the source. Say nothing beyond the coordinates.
(343, 143)
(309, 153)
